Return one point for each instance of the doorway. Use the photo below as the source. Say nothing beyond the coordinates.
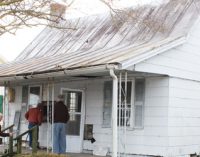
(74, 99)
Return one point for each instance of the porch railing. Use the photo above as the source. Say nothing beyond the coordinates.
(10, 152)
(10, 148)
(34, 140)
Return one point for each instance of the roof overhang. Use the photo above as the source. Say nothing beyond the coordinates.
(87, 71)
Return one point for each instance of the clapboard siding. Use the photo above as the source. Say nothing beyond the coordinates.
(184, 117)
(149, 141)
(154, 134)
(182, 61)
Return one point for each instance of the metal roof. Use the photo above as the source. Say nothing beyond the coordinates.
(104, 39)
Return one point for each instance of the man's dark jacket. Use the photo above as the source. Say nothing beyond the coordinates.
(61, 114)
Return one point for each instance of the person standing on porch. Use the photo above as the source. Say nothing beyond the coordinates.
(34, 117)
(61, 117)
(2, 134)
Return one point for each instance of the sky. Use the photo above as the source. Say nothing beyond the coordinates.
(12, 45)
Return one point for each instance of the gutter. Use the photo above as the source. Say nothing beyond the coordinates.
(60, 72)
(114, 114)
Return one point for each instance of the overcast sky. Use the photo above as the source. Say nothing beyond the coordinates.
(11, 46)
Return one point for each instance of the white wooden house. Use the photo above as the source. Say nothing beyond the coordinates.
(153, 62)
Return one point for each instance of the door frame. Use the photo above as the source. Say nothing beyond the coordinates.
(82, 111)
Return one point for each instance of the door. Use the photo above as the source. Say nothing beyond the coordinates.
(74, 129)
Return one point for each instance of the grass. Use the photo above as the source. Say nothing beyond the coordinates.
(41, 155)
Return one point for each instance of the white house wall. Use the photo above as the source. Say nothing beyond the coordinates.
(184, 117)
(151, 140)
(182, 61)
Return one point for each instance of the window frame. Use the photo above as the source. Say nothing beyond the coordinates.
(133, 105)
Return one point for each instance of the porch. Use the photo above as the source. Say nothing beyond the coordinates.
(27, 151)
(87, 118)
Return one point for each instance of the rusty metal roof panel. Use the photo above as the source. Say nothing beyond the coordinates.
(102, 39)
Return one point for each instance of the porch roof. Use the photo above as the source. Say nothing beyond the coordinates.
(101, 40)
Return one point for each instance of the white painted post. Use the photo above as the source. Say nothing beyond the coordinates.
(52, 118)
(48, 118)
(114, 113)
(120, 110)
(125, 116)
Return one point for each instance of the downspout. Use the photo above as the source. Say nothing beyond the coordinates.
(114, 113)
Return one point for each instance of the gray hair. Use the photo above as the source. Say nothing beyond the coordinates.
(60, 97)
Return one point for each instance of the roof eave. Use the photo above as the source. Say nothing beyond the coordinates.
(60, 72)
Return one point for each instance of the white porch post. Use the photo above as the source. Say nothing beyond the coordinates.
(48, 117)
(52, 116)
(114, 114)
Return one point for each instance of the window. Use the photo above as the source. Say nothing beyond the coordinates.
(34, 94)
(130, 114)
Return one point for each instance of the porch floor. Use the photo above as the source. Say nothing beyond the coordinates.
(27, 151)
(82, 155)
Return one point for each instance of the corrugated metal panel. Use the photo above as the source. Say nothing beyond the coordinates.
(102, 39)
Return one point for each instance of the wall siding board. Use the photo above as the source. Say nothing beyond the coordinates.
(182, 61)
(184, 117)
(151, 137)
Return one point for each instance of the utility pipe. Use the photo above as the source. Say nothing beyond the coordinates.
(114, 114)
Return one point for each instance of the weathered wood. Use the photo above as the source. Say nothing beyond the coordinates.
(34, 140)
(19, 145)
(11, 141)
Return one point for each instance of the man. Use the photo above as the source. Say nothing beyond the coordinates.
(1, 133)
(34, 117)
(61, 117)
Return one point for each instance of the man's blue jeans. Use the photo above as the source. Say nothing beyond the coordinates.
(59, 138)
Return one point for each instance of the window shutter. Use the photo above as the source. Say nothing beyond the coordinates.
(107, 108)
(139, 101)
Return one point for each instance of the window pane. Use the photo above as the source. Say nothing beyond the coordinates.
(73, 100)
(124, 116)
(128, 97)
(73, 125)
(138, 116)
